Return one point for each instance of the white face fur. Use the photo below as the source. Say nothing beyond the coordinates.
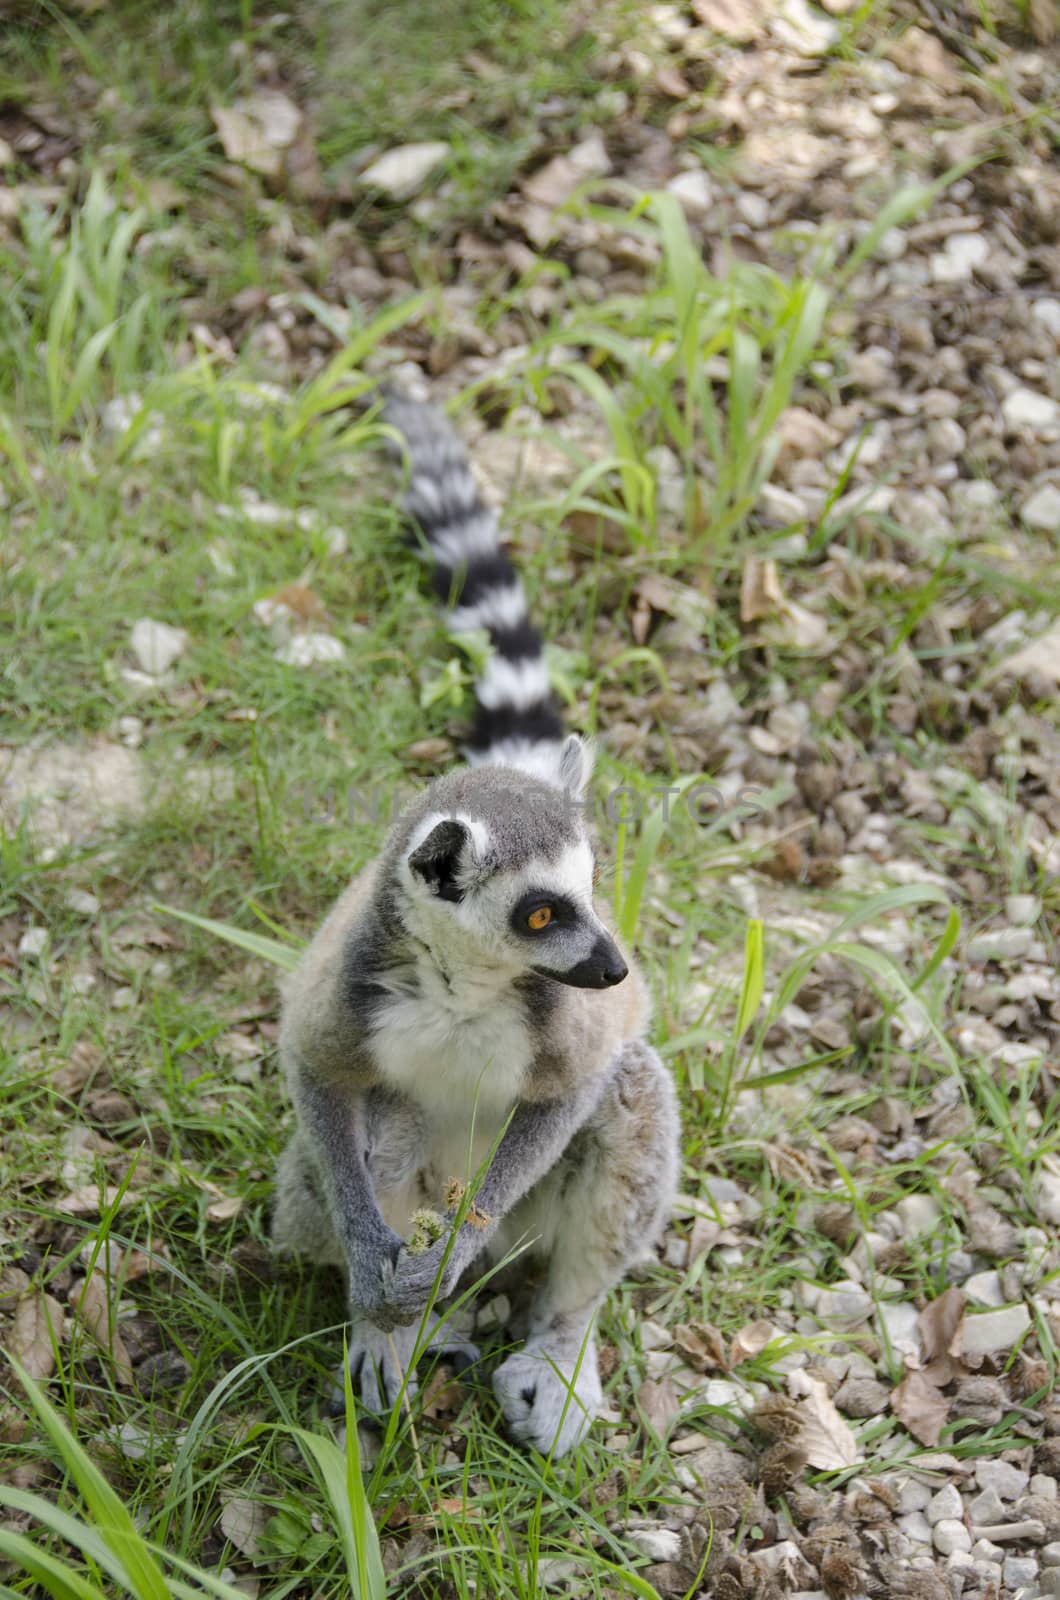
(538, 918)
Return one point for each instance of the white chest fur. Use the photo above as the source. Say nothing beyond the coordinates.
(461, 1051)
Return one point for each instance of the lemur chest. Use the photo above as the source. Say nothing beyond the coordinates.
(464, 1068)
(460, 1054)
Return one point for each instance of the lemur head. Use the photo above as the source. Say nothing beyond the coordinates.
(494, 869)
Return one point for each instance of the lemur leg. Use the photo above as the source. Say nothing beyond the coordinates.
(598, 1210)
(379, 1361)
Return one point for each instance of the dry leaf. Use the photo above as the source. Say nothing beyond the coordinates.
(659, 1403)
(671, 82)
(94, 1310)
(243, 1523)
(37, 1317)
(763, 599)
(750, 1341)
(257, 129)
(87, 1201)
(920, 1408)
(443, 1396)
(826, 1440)
(938, 1322)
(739, 20)
(1043, 20)
(701, 1345)
(14, 1283)
(224, 1209)
(554, 184)
(760, 591)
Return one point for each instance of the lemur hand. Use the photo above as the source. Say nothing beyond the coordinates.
(371, 1270)
(409, 1282)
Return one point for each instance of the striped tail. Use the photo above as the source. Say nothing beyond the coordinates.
(516, 721)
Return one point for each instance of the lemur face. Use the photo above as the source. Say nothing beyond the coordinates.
(505, 876)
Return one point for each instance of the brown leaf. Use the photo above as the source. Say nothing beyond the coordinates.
(37, 1317)
(86, 1201)
(763, 599)
(671, 82)
(443, 1396)
(825, 1438)
(1043, 20)
(72, 1075)
(230, 1205)
(760, 591)
(243, 1523)
(659, 1403)
(920, 1408)
(750, 1341)
(701, 1345)
(939, 1321)
(554, 183)
(257, 129)
(94, 1310)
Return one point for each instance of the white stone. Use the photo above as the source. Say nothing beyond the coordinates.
(1023, 909)
(131, 732)
(915, 1526)
(985, 1508)
(33, 943)
(901, 1325)
(81, 902)
(1026, 408)
(985, 1289)
(947, 1503)
(919, 1212)
(844, 1303)
(959, 257)
(1041, 510)
(913, 1496)
(401, 172)
(949, 1535)
(1047, 312)
(994, 1330)
(999, 944)
(156, 645)
(658, 1544)
(1006, 1480)
(695, 192)
(306, 649)
(796, 26)
(1051, 1553)
(1045, 1488)
(1020, 1571)
(773, 1558)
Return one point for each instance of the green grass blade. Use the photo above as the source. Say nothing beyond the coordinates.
(53, 1575)
(70, 1529)
(256, 944)
(117, 1527)
(754, 976)
(340, 1477)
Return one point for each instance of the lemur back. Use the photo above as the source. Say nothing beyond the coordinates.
(466, 997)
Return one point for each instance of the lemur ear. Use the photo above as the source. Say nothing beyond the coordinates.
(576, 765)
(439, 858)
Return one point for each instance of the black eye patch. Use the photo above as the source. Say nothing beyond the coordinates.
(539, 911)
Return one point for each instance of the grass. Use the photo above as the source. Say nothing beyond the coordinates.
(150, 472)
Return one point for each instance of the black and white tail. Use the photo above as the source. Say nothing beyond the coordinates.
(516, 722)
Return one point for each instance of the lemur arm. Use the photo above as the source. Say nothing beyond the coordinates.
(532, 1143)
(334, 1118)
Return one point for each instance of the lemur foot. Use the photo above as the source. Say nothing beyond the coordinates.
(549, 1399)
(379, 1362)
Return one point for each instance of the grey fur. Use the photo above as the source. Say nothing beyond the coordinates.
(432, 1021)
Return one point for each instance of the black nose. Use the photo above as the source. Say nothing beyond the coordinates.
(613, 973)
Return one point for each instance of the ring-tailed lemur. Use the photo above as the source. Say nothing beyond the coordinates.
(465, 991)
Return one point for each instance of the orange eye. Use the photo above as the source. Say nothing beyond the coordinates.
(540, 918)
